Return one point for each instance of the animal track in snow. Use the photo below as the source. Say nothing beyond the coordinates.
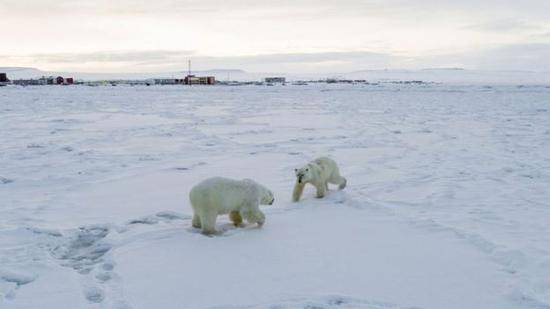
(323, 302)
(4, 180)
(165, 216)
(16, 277)
(94, 295)
(84, 249)
(87, 249)
(11, 281)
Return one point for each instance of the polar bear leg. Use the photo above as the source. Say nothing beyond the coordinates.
(208, 223)
(236, 218)
(259, 218)
(254, 215)
(321, 190)
(298, 190)
(196, 222)
(336, 179)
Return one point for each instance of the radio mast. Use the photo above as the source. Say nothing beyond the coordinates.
(189, 72)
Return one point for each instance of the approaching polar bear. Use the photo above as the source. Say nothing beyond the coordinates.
(319, 172)
(219, 196)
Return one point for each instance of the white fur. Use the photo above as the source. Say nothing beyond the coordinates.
(219, 196)
(319, 172)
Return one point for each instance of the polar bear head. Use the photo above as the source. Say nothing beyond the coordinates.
(265, 195)
(305, 174)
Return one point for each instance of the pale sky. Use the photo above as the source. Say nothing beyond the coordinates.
(293, 36)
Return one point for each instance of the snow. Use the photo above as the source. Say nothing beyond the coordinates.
(447, 204)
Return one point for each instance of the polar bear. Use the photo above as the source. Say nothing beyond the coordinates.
(319, 172)
(238, 198)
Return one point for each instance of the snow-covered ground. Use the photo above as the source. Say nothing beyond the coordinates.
(447, 204)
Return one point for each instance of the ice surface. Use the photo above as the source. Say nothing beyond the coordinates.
(447, 204)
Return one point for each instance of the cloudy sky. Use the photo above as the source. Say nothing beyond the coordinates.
(274, 36)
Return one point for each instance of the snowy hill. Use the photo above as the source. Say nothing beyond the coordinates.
(454, 76)
(22, 72)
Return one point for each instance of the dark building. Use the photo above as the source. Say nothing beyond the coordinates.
(199, 80)
(273, 80)
(3, 79)
(29, 82)
(169, 81)
(47, 80)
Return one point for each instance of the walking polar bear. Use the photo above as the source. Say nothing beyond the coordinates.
(319, 172)
(219, 196)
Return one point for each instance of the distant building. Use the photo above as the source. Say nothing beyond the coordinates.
(275, 80)
(210, 80)
(44, 80)
(199, 80)
(48, 80)
(4, 79)
(29, 82)
(169, 81)
(60, 80)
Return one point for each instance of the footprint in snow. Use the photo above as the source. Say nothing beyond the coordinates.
(326, 302)
(94, 295)
(19, 278)
(12, 281)
(5, 181)
(86, 251)
(165, 216)
(83, 251)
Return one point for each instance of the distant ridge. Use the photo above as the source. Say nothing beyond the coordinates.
(8, 69)
(405, 70)
(21, 70)
(444, 69)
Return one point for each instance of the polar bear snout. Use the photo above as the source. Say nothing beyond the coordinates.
(302, 175)
(268, 198)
